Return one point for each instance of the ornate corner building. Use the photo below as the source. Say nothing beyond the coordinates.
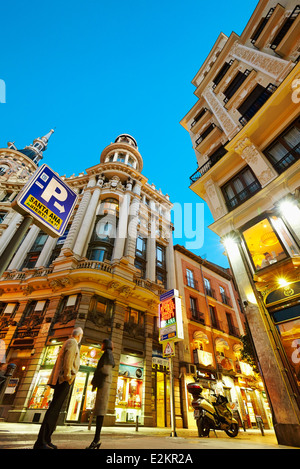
(105, 274)
(245, 129)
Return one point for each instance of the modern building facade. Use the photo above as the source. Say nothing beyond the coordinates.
(105, 274)
(213, 326)
(246, 134)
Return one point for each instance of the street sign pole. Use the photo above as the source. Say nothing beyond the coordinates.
(170, 332)
(172, 403)
(14, 243)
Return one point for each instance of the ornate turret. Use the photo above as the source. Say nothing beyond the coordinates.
(36, 149)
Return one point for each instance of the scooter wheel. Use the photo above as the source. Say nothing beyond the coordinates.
(233, 430)
(203, 427)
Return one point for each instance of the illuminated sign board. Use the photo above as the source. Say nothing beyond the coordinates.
(170, 317)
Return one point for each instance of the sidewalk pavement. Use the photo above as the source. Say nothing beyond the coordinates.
(119, 438)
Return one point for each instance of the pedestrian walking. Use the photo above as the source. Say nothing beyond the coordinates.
(61, 379)
(102, 381)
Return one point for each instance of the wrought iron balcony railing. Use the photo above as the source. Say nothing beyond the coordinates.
(257, 104)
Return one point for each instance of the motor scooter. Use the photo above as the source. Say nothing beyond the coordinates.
(213, 414)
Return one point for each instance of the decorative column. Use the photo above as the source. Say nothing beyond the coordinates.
(87, 221)
(171, 279)
(151, 246)
(24, 248)
(46, 252)
(118, 251)
(76, 224)
(10, 230)
(133, 223)
(214, 199)
(259, 164)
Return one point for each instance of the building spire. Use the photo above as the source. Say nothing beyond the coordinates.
(36, 149)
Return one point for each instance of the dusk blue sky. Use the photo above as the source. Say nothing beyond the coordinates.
(95, 69)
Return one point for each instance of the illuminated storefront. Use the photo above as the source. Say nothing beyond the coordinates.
(161, 390)
(81, 399)
(130, 390)
(283, 306)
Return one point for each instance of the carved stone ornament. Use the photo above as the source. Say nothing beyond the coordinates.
(275, 67)
(226, 122)
(27, 289)
(126, 291)
(255, 159)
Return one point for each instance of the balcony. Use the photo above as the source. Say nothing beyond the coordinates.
(222, 73)
(200, 120)
(254, 102)
(261, 26)
(242, 196)
(235, 85)
(268, 24)
(292, 22)
(197, 316)
(226, 300)
(209, 136)
(192, 283)
(210, 292)
(214, 158)
(288, 160)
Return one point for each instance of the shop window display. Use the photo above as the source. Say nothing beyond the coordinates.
(129, 390)
(268, 242)
(82, 398)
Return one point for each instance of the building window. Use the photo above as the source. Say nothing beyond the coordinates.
(59, 244)
(140, 253)
(269, 242)
(109, 207)
(225, 298)
(121, 157)
(193, 307)
(213, 317)
(222, 73)
(104, 234)
(6, 197)
(3, 169)
(190, 278)
(135, 317)
(8, 309)
(2, 216)
(285, 151)
(161, 274)
(235, 85)
(240, 188)
(254, 102)
(208, 290)
(261, 26)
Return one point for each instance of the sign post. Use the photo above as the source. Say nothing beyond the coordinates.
(45, 201)
(170, 332)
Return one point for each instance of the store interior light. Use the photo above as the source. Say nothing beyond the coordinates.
(282, 282)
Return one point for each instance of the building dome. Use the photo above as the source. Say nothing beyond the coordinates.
(126, 138)
(123, 150)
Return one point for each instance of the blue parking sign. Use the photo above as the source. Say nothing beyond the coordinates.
(48, 200)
